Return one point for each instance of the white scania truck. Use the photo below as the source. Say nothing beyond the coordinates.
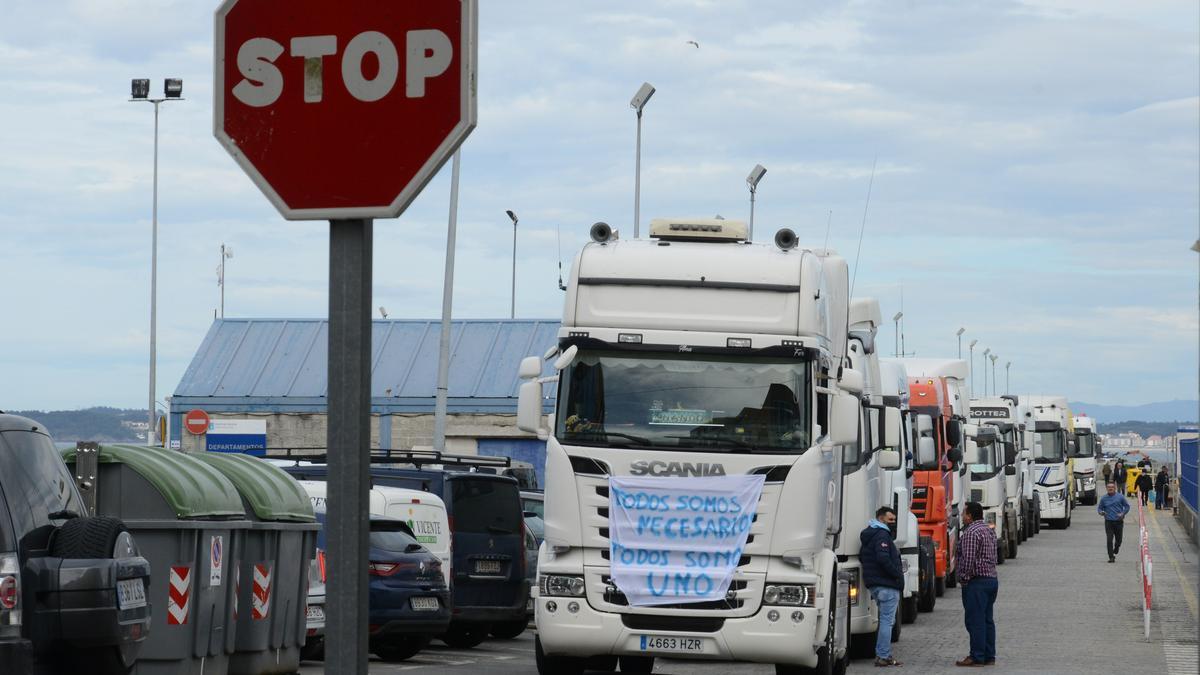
(1086, 450)
(1048, 421)
(697, 353)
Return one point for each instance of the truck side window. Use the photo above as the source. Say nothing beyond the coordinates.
(823, 413)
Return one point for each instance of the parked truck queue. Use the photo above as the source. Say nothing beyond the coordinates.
(723, 427)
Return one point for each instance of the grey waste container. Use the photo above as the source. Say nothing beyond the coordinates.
(185, 516)
(272, 579)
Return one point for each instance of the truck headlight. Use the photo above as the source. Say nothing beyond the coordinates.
(1056, 495)
(562, 586)
(794, 595)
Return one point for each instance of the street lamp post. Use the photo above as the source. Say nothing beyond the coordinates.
(638, 103)
(896, 323)
(971, 350)
(512, 313)
(226, 253)
(959, 334)
(756, 174)
(140, 93)
(994, 357)
(1007, 366)
(985, 360)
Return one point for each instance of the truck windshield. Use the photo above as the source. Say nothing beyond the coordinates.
(985, 461)
(1047, 447)
(1085, 445)
(685, 402)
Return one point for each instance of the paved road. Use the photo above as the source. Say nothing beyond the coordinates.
(1062, 609)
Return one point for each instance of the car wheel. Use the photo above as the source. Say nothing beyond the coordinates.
(92, 538)
(402, 649)
(464, 636)
(507, 630)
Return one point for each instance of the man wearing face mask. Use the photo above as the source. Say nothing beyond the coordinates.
(883, 575)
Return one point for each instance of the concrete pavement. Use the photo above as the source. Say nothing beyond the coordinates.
(1062, 609)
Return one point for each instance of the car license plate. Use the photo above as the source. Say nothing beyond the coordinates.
(424, 604)
(315, 614)
(131, 594)
(487, 567)
(677, 645)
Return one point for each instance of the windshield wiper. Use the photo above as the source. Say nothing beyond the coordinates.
(636, 439)
(731, 442)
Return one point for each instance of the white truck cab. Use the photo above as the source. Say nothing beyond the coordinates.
(1086, 450)
(996, 416)
(1048, 422)
(697, 353)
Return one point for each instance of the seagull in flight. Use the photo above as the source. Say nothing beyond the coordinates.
(694, 43)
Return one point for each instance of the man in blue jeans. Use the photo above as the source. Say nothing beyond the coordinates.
(884, 576)
(977, 573)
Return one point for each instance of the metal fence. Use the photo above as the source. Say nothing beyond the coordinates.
(1187, 473)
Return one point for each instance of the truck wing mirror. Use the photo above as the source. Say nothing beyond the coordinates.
(953, 433)
(529, 409)
(891, 427)
(926, 451)
(843, 420)
(531, 367)
(1010, 470)
(889, 460)
(1010, 454)
(955, 455)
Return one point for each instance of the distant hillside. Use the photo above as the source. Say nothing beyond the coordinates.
(1143, 429)
(90, 424)
(1164, 411)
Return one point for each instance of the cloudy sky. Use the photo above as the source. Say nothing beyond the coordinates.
(1037, 180)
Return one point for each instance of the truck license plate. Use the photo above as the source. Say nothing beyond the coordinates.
(487, 567)
(131, 594)
(424, 604)
(678, 645)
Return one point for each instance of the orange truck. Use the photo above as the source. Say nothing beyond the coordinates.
(937, 483)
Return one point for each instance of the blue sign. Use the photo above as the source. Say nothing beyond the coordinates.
(247, 437)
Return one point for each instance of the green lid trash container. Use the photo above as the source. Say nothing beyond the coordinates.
(272, 579)
(185, 516)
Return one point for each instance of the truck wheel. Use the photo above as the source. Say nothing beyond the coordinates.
(862, 646)
(507, 630)
(555, 665)
(939, 586)
(825, 661)
(92, 538)
(1013, 542)
(896, 632)
(604, 664)
(1001, 549)
(98, 660)
(313, 649)
(909, 609)
(464, 636)
(952, 579)
(637, 664)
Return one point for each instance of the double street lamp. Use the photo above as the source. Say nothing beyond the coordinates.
(140, 93)
(971, 350)
(756, 174)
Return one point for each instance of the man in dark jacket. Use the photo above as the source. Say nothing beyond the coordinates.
(1162, 489)
(1144, 485)
(883, 574)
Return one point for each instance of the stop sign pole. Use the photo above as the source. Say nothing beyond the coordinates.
(344, 111)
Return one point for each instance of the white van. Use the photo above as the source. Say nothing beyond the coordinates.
(424, 512)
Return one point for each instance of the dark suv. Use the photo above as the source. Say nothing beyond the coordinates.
(72, 589)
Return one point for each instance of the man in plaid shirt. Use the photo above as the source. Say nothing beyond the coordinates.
(977, 573)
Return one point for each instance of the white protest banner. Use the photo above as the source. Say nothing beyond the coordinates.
(678, 540)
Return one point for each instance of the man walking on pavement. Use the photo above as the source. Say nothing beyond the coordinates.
(977, 574)
(1113, 506)
(883, 574)
(1144, 485)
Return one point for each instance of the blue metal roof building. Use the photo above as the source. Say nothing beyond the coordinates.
(280, 366)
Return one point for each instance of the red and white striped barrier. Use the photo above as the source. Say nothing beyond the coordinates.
(179, 595)
(260, 594)
(1145, 569)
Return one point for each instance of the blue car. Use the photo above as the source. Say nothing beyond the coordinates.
(409, 599)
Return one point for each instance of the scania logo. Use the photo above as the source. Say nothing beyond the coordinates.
(656, 467)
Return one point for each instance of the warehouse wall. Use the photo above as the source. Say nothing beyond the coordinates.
(307, 430)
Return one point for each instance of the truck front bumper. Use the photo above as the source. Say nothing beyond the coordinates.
(586, 632)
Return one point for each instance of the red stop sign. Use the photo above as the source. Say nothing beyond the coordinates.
(196, 422)
(344, 109)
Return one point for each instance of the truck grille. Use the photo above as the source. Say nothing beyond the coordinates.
(614, 596)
